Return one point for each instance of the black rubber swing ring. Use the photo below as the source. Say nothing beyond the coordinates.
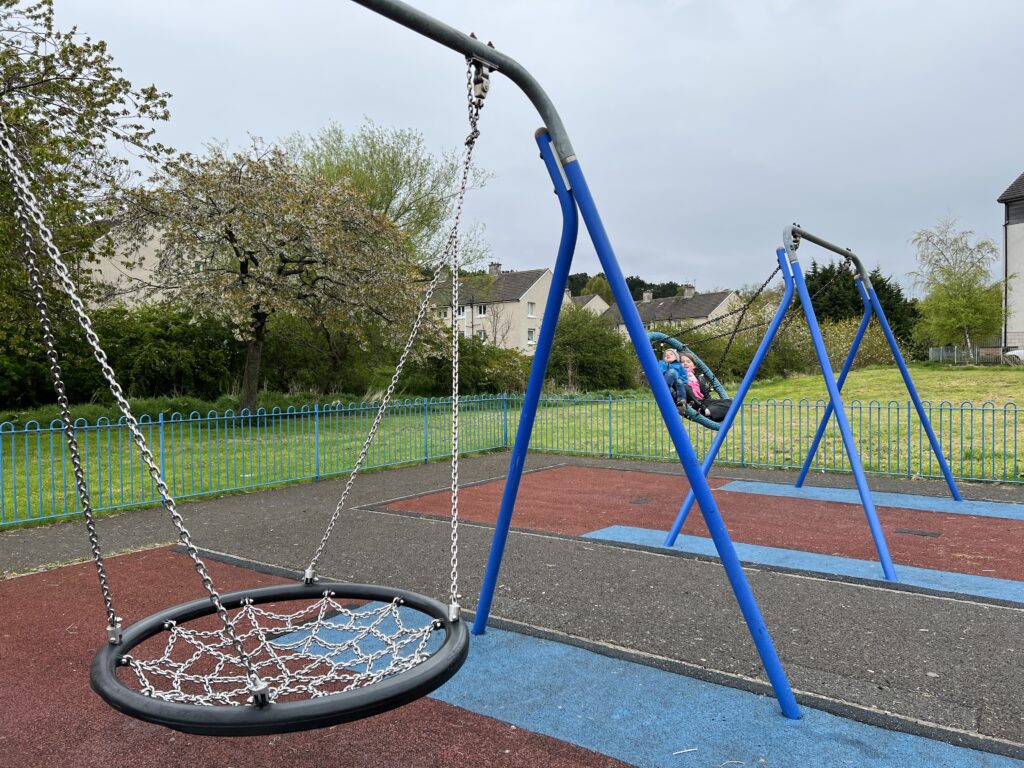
(284, 717)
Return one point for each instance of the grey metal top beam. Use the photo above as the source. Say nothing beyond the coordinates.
(450, 37)
(790, 245)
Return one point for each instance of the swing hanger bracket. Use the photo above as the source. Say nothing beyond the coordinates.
(114, 632)
(482, 69)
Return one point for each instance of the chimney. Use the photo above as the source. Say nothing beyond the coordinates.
(494, 268)
(648, 296)
(687, 290)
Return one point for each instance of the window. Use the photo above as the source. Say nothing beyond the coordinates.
(442, 312)
(462, 311)
(481, 310)
(531, 335)
(531, 309)
(482, 335)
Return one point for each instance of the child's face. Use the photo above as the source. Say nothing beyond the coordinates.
(687, 363)
(669, 356)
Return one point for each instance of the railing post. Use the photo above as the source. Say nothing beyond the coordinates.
(743, 436)
(426, 430)
(910, 469)
(504, 419)
(163, 461)
(610, 452)
(316, 441)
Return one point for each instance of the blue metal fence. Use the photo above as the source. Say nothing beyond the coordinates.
(222, 452)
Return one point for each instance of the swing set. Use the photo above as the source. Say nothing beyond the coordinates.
(794, 282)
(261, 665)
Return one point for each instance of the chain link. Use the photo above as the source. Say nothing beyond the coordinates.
(477, 86)
(35, 283)
(29, 206)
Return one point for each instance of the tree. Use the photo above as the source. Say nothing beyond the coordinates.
(498, 324)
(599, 284)
(836, 297)
(901, 312)
(962, 305)
(577, 282)
(243, 236)
(69, 110)
(398, 178)
(589, 353)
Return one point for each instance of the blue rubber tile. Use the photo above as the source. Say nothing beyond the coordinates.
(648, 717)
(943, 581)
(999, 509)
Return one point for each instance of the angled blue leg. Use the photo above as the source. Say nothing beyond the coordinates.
(666, 404)
(566, 247)
(943, 464)
(865, 321)
(877, 534)
(741, 393)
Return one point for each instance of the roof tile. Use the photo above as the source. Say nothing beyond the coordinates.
(1014, 192)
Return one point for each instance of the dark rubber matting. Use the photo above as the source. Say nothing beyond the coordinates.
(578, 500)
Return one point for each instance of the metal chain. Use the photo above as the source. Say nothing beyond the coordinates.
(35, 283)
(478, 84)
(30, 205)
(746, 307)
(739, 329)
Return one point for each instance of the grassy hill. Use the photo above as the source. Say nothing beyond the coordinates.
(997, 384)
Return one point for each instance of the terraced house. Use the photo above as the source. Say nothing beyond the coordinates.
(504, 308)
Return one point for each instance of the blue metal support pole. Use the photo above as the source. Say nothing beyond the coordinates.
(901, 364)
(666, 403)
(566, 174)
(741, 393)
(877, 534)
(566, 247)
(865, 321)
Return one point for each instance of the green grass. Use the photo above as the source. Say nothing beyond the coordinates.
(996, 384)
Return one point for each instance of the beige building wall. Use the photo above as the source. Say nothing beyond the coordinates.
(126, 285)
(511, 324)
(1015, 285)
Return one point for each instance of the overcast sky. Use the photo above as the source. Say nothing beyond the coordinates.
(703, 126)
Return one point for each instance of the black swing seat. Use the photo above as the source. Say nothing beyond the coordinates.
(165, 690)
(688, 411)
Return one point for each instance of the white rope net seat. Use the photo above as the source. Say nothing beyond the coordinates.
(322, 648)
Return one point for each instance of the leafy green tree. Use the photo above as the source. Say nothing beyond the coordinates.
(483, 368)
(835, 294)
(836, 297)
(577, 282)
(599, 284)
(398, 177)
(246, 235)
(589, 353)
(637, 285)
(962, 304)
(70, 111)
(901, 311)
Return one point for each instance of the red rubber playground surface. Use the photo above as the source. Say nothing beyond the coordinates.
(54, 621)
(576, 500)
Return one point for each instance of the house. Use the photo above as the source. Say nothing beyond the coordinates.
(689, 307)
(591, 302)
(504, 308)
(1013, 263)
